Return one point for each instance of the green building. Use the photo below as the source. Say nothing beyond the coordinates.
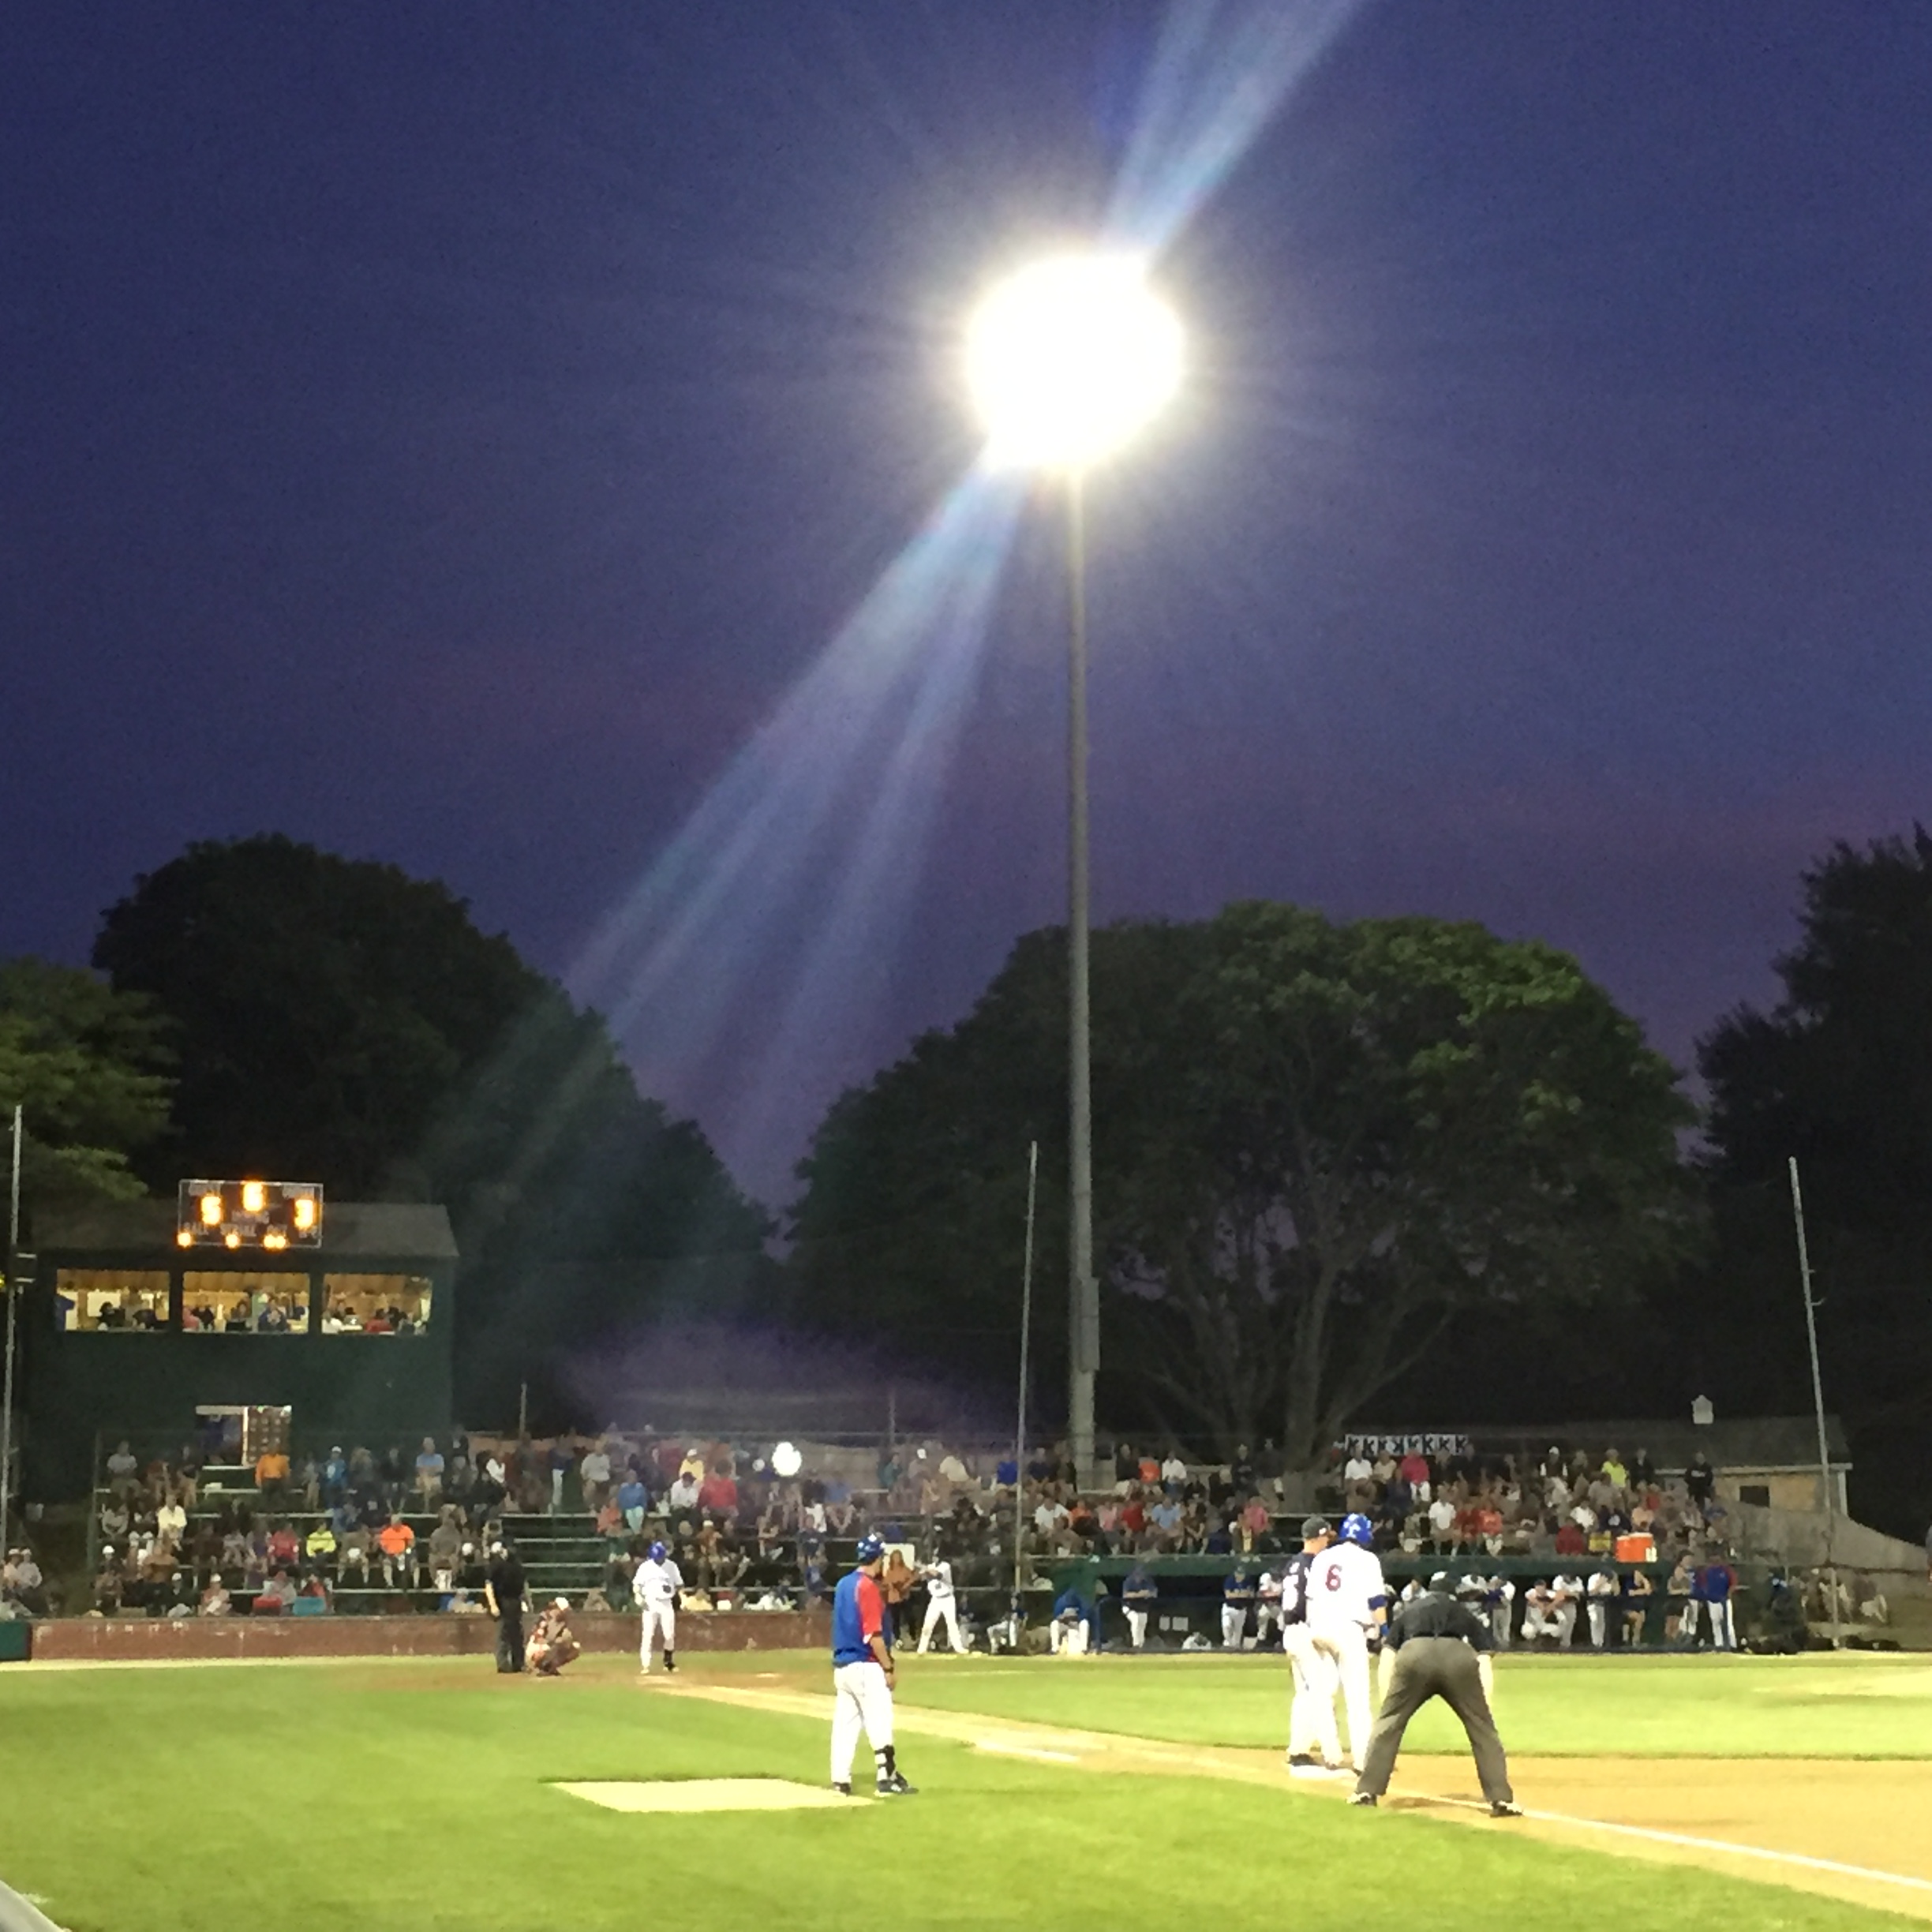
(126, 1334)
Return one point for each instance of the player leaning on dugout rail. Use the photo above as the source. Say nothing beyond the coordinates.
(1441, 1648)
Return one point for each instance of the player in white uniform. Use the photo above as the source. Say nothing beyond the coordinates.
(1568, 1588)
(941, 1606)
(1311, 1715)
(1347, 1603)
(1601, 1594)
(654, 1589)
(1267, 1608)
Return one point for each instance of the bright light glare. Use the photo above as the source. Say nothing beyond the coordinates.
(786, 1461)
(1069, 358)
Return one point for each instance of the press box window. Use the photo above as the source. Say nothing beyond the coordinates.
(89, 1298)
(375, 1304)
(232, 1301)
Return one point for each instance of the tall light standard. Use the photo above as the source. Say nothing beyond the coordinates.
(1066, 360)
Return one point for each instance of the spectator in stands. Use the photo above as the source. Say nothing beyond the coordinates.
(718, 1491)
(1570, 1541)
(319, 1545)
(397, 1541)
(1614, 1471)
(1173, 1473)
(561, 1458)
(632, 1499)
(593, 1474)
(284, 1546)
(429, 1467)
(123, 1469)
(271, 1475)
(274, 1595)
(215, 1600)
(335, 1477)
(1701, 1480)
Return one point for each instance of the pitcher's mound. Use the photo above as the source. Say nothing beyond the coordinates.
(708, 1795)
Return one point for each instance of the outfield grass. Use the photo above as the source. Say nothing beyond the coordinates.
(1699, 1705)
(401, 1797)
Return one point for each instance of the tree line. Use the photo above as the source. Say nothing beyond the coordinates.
(1341, 1168)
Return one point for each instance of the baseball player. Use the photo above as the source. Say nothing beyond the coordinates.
(941, 1606)
(1238, 1596)
(1310, 1712)
(654, 1589)
(1539, 1612)
(862, 1675)
(1267, 1608)
(1568, 1590)
(1069, 1634)
(1347, 1607)
(1600, 1594)
(1442, 1649)
(1500, 1597)
(1138, 1596)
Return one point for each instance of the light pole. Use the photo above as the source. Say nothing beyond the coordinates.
(1066, 359)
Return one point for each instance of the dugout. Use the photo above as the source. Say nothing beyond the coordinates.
(125, 1333)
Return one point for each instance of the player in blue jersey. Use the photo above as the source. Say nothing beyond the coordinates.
(862, 1675)
(1238, 1598)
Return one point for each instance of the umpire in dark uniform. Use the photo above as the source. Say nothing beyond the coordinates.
(1440, 1650)
(502, 1592)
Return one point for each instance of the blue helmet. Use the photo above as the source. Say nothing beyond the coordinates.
(657, 1553)
(871, 1548)
(1356, 1528)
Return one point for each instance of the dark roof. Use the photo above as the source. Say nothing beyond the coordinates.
(1745, 1442)
(397, 1230)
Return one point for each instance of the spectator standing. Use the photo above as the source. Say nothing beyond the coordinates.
(633, 1500)
(271, 1475)
(561, 1458)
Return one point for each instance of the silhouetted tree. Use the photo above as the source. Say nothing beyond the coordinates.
(1315, 1144)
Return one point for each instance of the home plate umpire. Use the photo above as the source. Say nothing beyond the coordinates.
(1442, 1649)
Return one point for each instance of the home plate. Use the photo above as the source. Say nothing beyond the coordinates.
(708, 1795)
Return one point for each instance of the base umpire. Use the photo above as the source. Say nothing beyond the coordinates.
(1442, 1649)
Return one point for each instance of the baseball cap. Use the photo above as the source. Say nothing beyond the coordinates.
(1315, 1526)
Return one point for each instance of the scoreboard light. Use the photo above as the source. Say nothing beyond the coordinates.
(273, 1215)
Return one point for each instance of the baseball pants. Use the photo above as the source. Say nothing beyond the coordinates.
(1234, 1624)
(1137, 1627)
(938, 1610)
(1444, 1667)
(1599, 1609)
(1566, 1625)
(1346, 1650)
(1310, 1714)
(1067, 1639)
(862, 1701)
(657, 1617)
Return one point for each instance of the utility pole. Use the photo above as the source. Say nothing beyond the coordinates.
(1817, 1405)
(13, 1296)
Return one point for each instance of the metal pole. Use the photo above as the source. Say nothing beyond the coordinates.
(13, 1292)
(1084, 1290)
(1817, 1404)
(1026, 1331)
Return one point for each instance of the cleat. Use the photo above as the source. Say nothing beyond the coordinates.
(1504, 1808)
(1301, 1761)
(896, 1787)
(1362, 1798)
(845, 1791)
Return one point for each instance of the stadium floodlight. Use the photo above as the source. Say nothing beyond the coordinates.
(786, 1461)
(1069, 358)
(1066, 360)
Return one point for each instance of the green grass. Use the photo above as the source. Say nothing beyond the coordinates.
(415, 1798)
(1694, 1705)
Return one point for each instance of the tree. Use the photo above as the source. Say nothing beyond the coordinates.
(89, 1067)
(1839, 1073)
(1316, 1144)
(340, 1021)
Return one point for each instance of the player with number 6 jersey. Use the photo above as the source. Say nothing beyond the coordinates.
(1347, 1606)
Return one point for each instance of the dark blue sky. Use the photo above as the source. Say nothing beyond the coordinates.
(446, 434)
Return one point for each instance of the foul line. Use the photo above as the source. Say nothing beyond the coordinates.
(1006, 1748)
(1690, 1842)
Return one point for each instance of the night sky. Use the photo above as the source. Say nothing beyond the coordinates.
(447, 434)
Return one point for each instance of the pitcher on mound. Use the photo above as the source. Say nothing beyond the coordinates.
(862, 1675)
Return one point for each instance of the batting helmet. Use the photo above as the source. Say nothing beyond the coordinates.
(1356, 1528)
(871, 1548)
(657, 1553)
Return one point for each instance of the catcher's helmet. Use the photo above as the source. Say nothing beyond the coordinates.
(657, 1553)
(871, 1548)
(1356, 1528)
